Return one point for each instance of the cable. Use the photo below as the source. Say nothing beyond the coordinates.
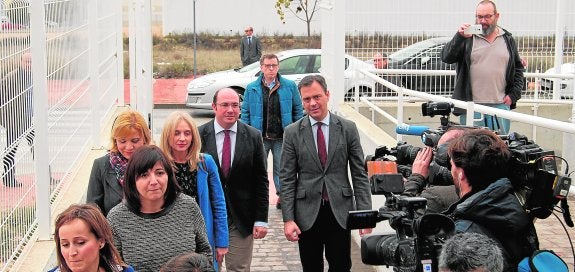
(569, 237)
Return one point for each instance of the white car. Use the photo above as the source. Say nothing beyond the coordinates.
(566, 90)
(294, 64)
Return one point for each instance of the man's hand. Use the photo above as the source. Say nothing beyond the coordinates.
(422, 160)
(461, 30)
(291, 231)
(507, 100)
(220, 253)
(363, 232)
(259, 232)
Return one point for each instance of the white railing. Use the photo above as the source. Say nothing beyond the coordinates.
(404, 95)
(76, 52)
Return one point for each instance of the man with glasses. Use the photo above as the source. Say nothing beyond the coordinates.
(239, 153)
(271, 103)
(489, 69)
(250, 47)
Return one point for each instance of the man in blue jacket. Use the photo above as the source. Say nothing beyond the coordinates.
(270, 104)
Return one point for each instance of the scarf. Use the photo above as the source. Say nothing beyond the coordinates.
(118, 163)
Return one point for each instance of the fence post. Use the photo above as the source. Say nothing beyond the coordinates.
(40, 120)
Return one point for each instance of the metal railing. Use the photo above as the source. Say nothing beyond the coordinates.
(62, 74)
(404, 95)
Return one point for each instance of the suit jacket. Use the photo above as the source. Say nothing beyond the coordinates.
(250, 53)
(302, 176)
(246, 188)
(103, 187)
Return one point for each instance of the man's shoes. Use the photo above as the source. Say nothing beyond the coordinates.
(278, 204)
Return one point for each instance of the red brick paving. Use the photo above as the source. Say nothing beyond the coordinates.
(166, 91)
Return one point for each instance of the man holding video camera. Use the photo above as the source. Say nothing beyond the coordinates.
(439, 196)
(487, 205)
(489, 69)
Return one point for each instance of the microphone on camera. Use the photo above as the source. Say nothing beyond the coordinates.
(406, 129)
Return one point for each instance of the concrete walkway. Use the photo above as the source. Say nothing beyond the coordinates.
(275, 253)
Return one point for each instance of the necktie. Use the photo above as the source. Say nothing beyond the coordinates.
(226, 153)
(321, 150)
(322, 153)
(249, 41)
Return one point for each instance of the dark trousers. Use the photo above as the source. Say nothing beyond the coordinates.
(9, 160)
(326, 234)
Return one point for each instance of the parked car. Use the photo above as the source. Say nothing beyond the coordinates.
(566, 90)
(294, 64)
(424, 55)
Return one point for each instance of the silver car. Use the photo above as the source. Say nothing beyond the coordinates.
(294, 64)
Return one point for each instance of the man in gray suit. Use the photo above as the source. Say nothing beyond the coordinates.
(316, 192)
(250, 47)
(242, 170)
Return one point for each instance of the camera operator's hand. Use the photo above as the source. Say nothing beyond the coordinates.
(422, 161)
(363, 232)
(291, 231)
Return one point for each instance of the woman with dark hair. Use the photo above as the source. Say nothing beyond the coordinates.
(197, 175)
(188, 262)
(129, 132)
(155, 222)
(84, 242)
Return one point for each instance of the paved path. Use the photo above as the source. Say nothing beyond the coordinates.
(275, 253)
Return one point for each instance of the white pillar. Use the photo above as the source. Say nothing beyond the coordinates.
(40, 97)
(333, 49)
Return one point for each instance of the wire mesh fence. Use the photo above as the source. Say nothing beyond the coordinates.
(80, 52)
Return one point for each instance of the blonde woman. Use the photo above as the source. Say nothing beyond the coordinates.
(197, 175)
(129, 132)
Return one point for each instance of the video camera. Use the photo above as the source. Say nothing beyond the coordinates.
(533, 173)
(417, 242)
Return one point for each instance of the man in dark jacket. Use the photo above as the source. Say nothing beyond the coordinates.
(487, 202)
(489, 69)
(239, 153)
(250, 47)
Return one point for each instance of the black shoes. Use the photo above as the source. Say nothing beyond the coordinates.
(278, 204)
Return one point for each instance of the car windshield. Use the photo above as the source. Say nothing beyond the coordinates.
(410, 51)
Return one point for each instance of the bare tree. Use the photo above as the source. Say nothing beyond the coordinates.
(307, 8)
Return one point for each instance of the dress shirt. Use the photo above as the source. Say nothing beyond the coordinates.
(219, 130)
(324, 129)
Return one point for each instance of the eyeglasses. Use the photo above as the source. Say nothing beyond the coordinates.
(270, 66)
(227, 105)
(247, 30)
(486, 17)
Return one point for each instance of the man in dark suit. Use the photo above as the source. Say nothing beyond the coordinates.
(239, 152)
(316, 192)
(250, 47)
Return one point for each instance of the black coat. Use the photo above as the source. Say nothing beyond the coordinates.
(246, 188)
(496, 212)
(458, 50)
